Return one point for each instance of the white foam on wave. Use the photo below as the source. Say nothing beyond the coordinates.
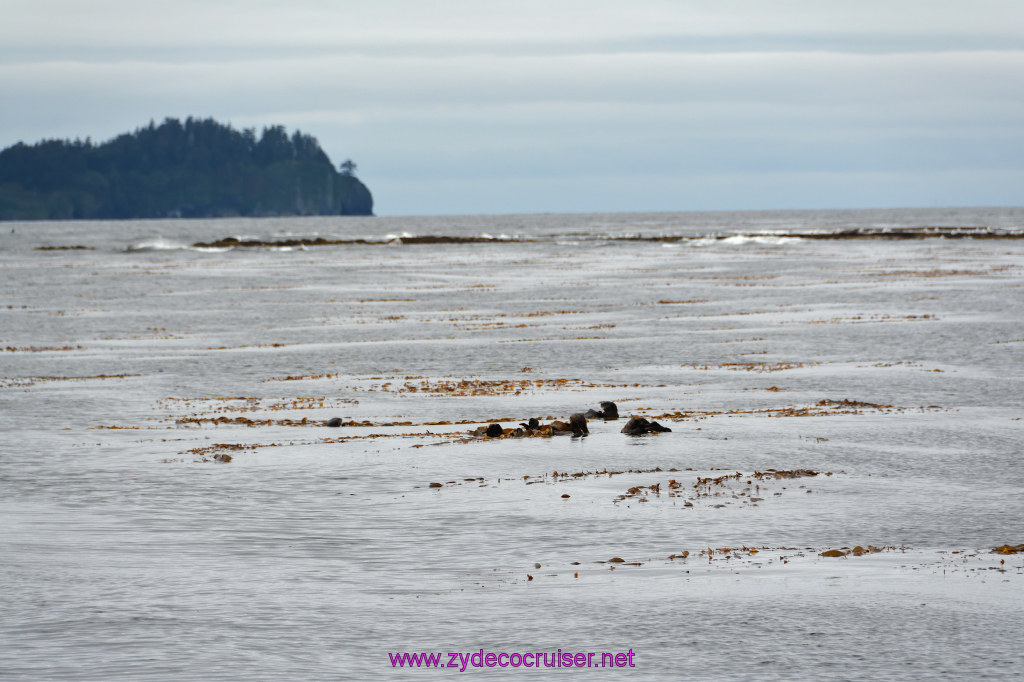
(210, 249)
(767, 239)
(158, 244)
(163, 244)
(743, 239)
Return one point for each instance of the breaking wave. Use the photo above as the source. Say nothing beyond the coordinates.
(158, 244)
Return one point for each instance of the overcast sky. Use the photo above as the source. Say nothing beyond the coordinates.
(492, 106)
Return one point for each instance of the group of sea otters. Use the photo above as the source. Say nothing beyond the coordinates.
(576, 426)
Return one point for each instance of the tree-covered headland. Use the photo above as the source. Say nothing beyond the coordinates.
(199, 168)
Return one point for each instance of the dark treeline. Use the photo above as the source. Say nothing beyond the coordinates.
(199, 168)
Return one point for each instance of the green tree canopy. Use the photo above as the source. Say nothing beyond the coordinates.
(195, 168)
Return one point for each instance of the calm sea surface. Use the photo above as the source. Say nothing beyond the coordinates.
(173, 506)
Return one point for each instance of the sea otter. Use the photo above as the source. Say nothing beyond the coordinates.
(577, 426)
(608, 411)
(639, 426)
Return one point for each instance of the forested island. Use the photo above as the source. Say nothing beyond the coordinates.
(199, 168)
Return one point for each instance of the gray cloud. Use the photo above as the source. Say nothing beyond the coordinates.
(457, 106)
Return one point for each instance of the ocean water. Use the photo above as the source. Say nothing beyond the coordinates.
(173, 506)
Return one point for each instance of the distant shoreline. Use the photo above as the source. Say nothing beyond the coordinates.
(195, 169)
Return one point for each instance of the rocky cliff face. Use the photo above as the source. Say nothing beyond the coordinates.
(355, 197)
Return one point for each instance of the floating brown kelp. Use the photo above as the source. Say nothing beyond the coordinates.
(901, 233)
(461, 387)
(717, 489)
(1008, 549)
(303, 377)
(233, 242)
(856, 551)
(245, 421)
(966, 562)
(216, 452)
(868, 319)
(793, 473)
(822, 408)
(562, 476)
(576, 426)
(895, 233)
(21, 382)
(752, 366)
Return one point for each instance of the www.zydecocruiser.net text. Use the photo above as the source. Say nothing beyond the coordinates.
(462, 660)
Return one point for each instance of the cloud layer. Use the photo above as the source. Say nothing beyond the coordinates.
(468, 107)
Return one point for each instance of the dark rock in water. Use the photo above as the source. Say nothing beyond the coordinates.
(494, 431)
(608, 411)
(336, 421)
(639, 426)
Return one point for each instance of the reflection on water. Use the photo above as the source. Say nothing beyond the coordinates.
(173, 506)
